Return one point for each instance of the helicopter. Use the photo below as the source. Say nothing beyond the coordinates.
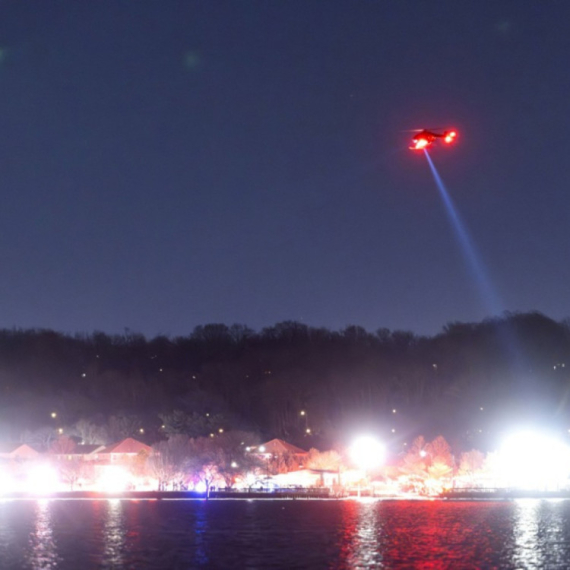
(426, 137)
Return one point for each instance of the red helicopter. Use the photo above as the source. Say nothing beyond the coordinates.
(425, 138)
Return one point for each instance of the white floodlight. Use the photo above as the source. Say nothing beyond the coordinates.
(367, 452)
(534, 460)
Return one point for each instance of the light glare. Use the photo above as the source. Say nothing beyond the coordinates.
(42, 480)
(532, 460)
(367, 452)
(114, 480)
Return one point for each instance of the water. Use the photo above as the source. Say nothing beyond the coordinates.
(79, 535)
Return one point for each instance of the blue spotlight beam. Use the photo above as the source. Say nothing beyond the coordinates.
(488, 294)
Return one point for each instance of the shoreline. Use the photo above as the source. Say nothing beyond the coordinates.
(500, 494)
(458, 495)
(167, 495)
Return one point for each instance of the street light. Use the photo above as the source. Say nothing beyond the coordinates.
(305, 416)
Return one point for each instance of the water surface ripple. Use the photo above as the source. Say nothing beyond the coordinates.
(252, 534)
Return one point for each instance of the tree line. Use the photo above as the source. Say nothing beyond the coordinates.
(311, 386)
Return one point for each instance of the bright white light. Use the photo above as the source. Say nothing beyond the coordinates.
(42, 480)
(367, 452)
(7, 484)
(533, 460)
(200, 487)
(114, 480)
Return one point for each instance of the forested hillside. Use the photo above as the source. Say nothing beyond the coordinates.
(463, 383)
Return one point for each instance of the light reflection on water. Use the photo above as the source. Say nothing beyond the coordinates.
(80, 535)
(114, 534)
(362, 535)
(200, 532)
(541, 534)
(42, 552)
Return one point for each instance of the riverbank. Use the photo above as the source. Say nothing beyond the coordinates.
(501, 494)
(311, 493)
(166, 495)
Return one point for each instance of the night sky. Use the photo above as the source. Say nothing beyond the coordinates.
(168, 164)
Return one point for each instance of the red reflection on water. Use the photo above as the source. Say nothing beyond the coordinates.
(442, 535)
(424, 534)
(349, 524)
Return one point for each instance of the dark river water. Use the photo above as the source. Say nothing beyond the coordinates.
(226, 534)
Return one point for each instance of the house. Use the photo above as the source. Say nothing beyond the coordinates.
(17, 451)
(83, 452)
(128, 448)
(280, 447)
(280, 455)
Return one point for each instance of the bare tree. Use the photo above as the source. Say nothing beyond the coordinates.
(471, 462)
(71, 471)
(89, 433)
(204, 461)
(122, 426)
(324, 460)
(169, 461)
(63, 445)
(41, 438)
(231, 456)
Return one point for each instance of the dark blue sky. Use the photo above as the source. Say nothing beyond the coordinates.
(167, 164)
